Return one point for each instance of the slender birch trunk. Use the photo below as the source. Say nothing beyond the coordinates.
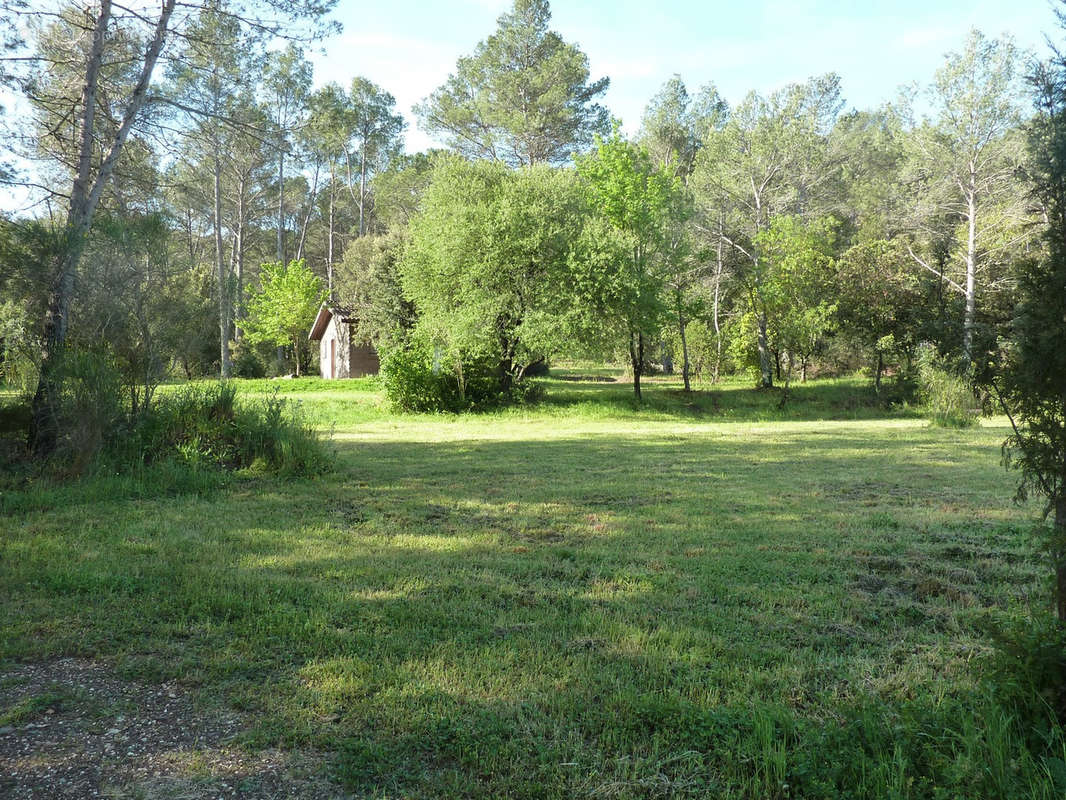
(971, 268)
(717, 296)
(281, 204)
(225, 309)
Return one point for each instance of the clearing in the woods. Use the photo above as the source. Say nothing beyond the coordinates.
(708, 595)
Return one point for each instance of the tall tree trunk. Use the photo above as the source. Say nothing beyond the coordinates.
(684, 344)
(281, 205)
(238, 302)
(766, 360)
(307, 216)
(717, 295)
(84, 196)
(880, 371)
(971, 270)
(329, 245)
(636, 358)
(225, 308)
(362, 190)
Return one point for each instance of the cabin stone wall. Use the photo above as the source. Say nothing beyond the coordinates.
(340, 357)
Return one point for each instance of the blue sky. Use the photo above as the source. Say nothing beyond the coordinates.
(409, 47)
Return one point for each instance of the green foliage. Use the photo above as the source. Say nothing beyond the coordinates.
(416, 380)
(881, 303)
(247, 363)
(205, 425)
(1034, 376)
(523, 97)
(620, 272)
(948, 397)
(488, 260)
(91, 415)
(1028, 673)
(796, 284)
(368, 280)
(282, 311)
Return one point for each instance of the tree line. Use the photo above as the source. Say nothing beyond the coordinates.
(782, 234)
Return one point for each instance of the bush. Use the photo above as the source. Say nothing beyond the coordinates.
(205, 426)
(1028, 671)
(947, 396)
(413, 382)
(247, 363)
(90, 414)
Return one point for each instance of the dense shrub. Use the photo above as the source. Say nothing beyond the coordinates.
(1029, 669)
(91, 413)
(247, 363)
(415, 381)
(206, 425)
(948, 396)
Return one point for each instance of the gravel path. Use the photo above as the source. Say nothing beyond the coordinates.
(72, 729)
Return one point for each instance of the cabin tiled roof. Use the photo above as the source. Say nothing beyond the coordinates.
(327, 312)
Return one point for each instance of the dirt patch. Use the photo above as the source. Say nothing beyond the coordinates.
(73, 729)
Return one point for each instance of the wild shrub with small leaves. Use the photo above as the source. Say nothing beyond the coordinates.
(948, 396)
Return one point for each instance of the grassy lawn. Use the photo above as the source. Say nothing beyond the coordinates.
(706, 596)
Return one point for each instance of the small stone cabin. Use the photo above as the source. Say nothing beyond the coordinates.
(340, 356)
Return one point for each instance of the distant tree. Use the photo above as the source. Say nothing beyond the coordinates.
(398, 189)
(1033, 382)
(772, 158)
(488, 259)
(673, 130)
(871, 197)
(674, 125)
(326, 138)
(880, 301)
(368, 280)
(375, 139)
(621, 269)
(524, 97)
(286, 84)
(207, 84)
(796, 290)
(970, 155)
(282, 311)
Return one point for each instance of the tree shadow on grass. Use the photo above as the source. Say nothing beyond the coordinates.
(467, 617)
(824, 400)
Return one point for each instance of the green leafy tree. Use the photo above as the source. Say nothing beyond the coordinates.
(674, 125)
(524, 97)
(797, 286)
(368, 278)
(487, 263)
(672, 130)
(968, 157)
(282, 311)
(881, 302)
(772, 158)
(398, 189)
(622, 267)
(1033, 383)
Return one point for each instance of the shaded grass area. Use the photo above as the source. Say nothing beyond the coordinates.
(575, 599)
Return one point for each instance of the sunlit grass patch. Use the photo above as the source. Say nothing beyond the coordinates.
(574, 599)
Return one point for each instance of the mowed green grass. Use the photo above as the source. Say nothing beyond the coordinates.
(704, 596)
